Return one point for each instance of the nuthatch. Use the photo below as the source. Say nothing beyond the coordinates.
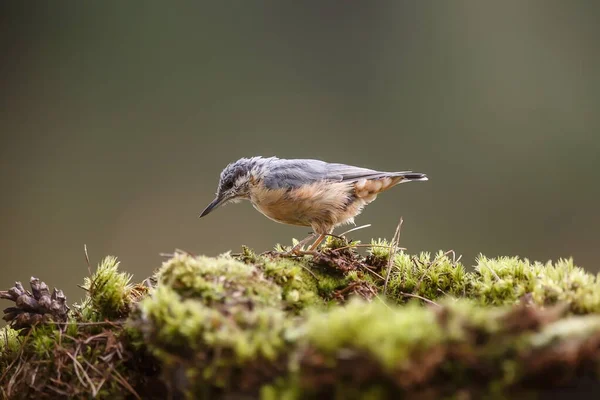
(305, 192)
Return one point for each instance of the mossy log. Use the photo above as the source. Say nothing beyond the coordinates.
(332, 324)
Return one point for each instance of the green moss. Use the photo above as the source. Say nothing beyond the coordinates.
(303, 282)
(426, 277)
(181, 325)
(328, 284)
(338, 242)
(291, 327)
(297, 282)
(384, 352)
(379, 252)
(465, 317)
(220, 340)
(9, 342)
(71, 328)
(218, 280)
(109, 291)
(44, 339)
(572, 328)
(565, 282)
(493, 282)
(221, 312)
(210, 301)
(248, 255)
(175, 323)
(388, 335)
(503, 280)
(281, 248)
(278, 392)
(312, 284)
(77, 363)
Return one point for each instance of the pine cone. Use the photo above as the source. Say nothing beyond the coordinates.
(34, 307)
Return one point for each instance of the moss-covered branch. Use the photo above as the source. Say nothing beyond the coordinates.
(322, 325)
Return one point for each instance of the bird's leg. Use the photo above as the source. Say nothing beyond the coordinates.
(317, 242)
(296, 250)
(297, 247)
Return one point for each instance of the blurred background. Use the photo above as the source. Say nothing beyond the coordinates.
(117, 118)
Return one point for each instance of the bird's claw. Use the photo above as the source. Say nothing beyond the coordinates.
(297, 252)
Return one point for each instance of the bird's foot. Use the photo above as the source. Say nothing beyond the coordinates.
(293, 252)
(298, 249)
(298, 252)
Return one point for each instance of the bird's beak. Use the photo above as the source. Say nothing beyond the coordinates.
(214, 204)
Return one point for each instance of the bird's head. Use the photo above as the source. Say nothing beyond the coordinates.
(235, 182)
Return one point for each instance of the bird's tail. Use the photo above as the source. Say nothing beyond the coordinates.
(382, 181)
(409, 176)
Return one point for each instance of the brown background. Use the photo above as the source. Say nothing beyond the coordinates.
(116, 119)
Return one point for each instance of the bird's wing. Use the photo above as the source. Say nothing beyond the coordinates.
(349, 173)
(295, 173)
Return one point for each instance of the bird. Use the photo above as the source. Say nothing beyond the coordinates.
(305, 192)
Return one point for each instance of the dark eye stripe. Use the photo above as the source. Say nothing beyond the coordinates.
(228, 185)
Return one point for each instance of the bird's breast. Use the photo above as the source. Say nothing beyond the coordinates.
(282, 211)
(320, 203)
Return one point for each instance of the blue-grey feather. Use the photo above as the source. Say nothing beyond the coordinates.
(291, 174)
